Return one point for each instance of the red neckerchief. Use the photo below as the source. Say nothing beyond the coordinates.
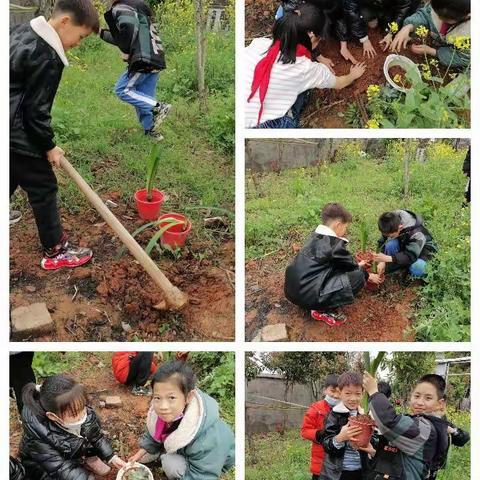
(444, 27)
(261, 75)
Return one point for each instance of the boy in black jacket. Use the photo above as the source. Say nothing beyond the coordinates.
(133, 32)
(37, 59)
(418, 441)
(342, 461)
(405, 243)
(324, 275)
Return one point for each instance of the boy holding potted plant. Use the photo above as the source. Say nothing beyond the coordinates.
(324, 275)
(314, 420)
(344, 460)
(37, 60)
(405, 244)
(419, 441)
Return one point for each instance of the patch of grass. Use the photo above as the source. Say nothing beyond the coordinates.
(284, 207)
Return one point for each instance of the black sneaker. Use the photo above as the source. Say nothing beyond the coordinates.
(154, 135)
(160, 112)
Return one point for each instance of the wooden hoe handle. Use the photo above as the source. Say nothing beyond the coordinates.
(174, 298)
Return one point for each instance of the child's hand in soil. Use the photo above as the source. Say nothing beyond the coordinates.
(423, 50)
(356, 71)
(386, 41)
(362, 263)
(348, 433)
(382, 258)
(369, 384)
(327, 62)
(345, 53)
(117, 462)
(55, 155)
(401, 39)
(381, 268)
(137, 456)
(368, 49)
(375, 278)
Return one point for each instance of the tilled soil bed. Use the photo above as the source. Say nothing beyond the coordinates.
(381, 316)
(111, 299)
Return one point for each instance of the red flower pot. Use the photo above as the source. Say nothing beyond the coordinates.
(149, 210)
(175, 236)
(367, 424)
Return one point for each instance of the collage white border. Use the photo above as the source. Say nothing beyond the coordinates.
(240, 346)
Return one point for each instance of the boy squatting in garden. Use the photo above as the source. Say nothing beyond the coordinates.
(417, 443)
(62, 436)
(405, 244)
(342, 461)
(314, 420)
(324, 275)
(37, 59)
(184, 428)
(132, 30)
(448, 23)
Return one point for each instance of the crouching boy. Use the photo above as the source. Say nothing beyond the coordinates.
(324, 275)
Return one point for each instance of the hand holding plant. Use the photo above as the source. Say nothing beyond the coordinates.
(369, 383)
(375, 278)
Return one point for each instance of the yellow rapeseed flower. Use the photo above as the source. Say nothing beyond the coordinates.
(393, 27)
(397, 78)
(373, 91)
(462, 43)
(421, 31)
(372, 123)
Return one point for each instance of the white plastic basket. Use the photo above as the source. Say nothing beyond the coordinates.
(137, 465)
(403, 62)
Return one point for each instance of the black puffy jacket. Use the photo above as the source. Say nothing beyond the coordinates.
(389, 11)
(16, 470)
(317, 276)
(50, 452)
(35, 72)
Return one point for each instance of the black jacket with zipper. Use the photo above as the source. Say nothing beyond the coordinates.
(392, 11)
(35, 73)
(333, 460)
(132, 30)
(49, 452)
(317, 278)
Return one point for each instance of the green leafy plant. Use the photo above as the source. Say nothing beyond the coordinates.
(371, 364)
(153, 163)
(363, 234)
(136, 473)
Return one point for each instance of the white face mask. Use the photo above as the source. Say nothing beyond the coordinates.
(75, 427)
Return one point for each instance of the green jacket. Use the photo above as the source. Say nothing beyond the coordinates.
(203, 438)
(447, 54)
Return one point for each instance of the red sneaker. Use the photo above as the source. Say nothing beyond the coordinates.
(330, 318)
(65, 255)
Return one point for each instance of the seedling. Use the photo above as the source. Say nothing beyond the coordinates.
(136, 473)
(371, 366)
(363, 237)
(153, 163)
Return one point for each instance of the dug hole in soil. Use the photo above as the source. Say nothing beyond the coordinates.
(327, 107)
(381, 316)
(111, 300)
(123, 426)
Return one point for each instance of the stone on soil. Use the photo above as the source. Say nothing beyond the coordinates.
(32, 320)
(272, 333)
(113, 402)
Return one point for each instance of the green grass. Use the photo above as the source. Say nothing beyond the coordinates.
(283, 208)
(288, 456)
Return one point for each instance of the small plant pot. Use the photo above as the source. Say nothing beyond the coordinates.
(122, 473)
(367, 424)
(175, 236)
(149, 210)
(402, 62)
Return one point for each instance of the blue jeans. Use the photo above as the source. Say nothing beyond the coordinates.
(417, 269)
(138, 89)
(279, 13)
(292, 117)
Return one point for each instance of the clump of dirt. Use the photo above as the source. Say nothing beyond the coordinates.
(381, 316)
(110, 299)
(398, 76)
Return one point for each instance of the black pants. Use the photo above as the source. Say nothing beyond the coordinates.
(21, 373)
(384, 15)
(36, 177)
(355, 475)
(315, 477)
(357, 280)
(140, 369)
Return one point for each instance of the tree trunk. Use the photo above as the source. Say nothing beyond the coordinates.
(201, 38)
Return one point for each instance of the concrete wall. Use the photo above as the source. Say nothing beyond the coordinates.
(268, 415)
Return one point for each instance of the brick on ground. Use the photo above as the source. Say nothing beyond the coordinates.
(272, 333)
(32, 320)
(113, 402)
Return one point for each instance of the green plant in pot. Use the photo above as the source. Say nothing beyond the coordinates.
(136, 473)
(364, 255)
(365, 422)
(149, 200)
